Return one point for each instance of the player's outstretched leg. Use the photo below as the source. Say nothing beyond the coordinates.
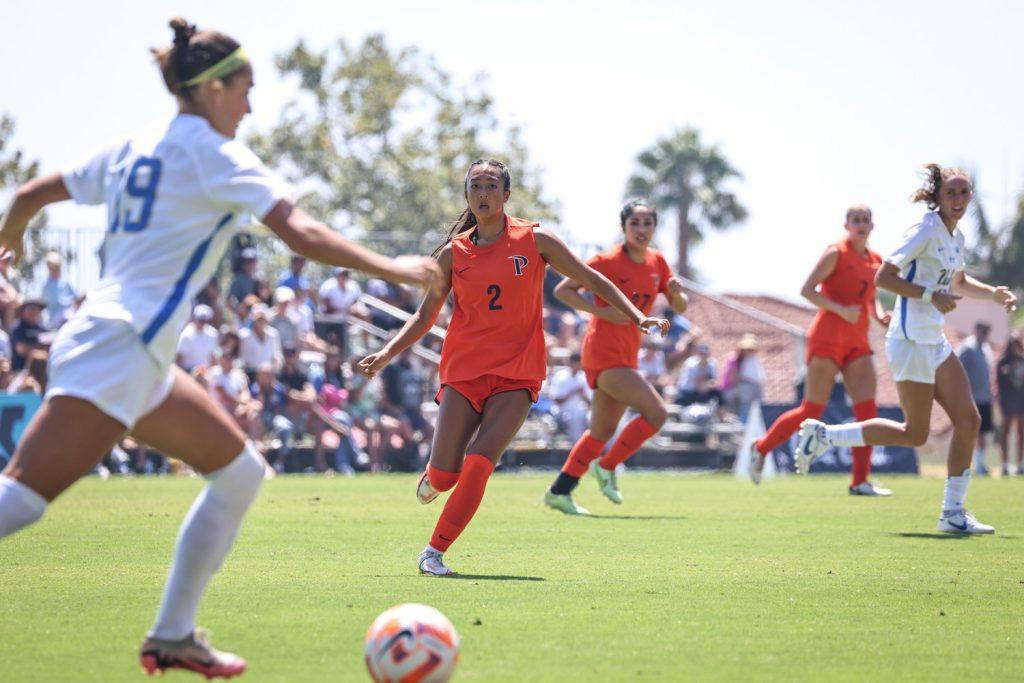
(780, 431)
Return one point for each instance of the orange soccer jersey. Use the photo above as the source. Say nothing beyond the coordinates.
(497, 326)
(852, 282)
(608, 345)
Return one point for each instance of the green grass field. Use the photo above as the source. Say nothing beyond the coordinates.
(694, 578)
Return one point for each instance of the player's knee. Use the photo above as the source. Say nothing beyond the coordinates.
(239, 480)
(656, 416)
(601, 433)
(969, 423)
(917, 434)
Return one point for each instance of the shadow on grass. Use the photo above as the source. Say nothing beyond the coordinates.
(494, 577)
(936, 536)
(640, 517)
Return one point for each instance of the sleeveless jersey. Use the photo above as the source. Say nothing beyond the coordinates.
(851, 283)
(175, 195)
(497, 326)
(609, 345)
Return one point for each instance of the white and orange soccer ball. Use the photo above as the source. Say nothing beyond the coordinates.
(411, 643)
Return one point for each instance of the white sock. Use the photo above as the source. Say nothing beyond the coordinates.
(205, 538)
(956, 491)
(19, 505)
(979, 458)
(845, 435)
(432, 549)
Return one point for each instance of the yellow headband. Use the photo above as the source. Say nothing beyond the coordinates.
(230, 64)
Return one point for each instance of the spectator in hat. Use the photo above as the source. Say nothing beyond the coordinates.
(9, 296)
(743, 379)
(338, 296)
(284, 319)
(27, 334)
(260, 344)
(198, 340)
(244, 282)
(57, 292)
(698, 379)
(976, 355)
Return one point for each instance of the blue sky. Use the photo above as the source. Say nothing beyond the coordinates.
(819, 104)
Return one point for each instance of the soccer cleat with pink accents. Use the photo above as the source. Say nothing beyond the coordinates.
(193, 653)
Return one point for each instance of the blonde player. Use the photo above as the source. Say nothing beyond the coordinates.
(174, 197)
(927, 272)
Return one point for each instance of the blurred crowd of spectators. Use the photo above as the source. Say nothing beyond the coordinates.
(279, 355)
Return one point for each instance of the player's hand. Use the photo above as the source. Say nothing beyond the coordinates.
(420, 270)
(886, 318)
(675, 285)
(1005, 298)
(374, 363)
(850, 314)
(12, 240)
(612, 315)
(648, 325)
(944, 302)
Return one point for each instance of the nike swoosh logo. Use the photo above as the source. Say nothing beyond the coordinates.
(460, 272)
(445, 538)
(961, 527)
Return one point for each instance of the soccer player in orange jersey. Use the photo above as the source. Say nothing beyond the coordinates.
(842, 286)
(494, 357)
(610, 350)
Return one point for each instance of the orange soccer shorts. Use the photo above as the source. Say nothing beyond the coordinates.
(841, 354)
(478, 390)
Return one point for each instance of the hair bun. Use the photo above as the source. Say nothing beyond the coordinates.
(183, 31)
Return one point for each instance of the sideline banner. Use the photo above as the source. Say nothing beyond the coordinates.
(883, 459)
(15, 412)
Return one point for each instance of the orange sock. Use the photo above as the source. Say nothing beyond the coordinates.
(585, 451)
(439, 479)
(629, 442)
(786, 425)
(861, 468)
(462, 504)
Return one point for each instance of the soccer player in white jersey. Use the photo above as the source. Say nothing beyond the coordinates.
(927, 272)
(174, 196)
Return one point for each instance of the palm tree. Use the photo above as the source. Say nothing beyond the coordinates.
(681, 174)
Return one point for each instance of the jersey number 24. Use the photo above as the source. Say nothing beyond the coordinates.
(133, 205)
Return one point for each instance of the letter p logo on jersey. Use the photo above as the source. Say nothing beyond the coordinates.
(520, 263)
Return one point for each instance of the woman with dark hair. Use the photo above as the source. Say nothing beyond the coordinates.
(611, 349)
(1010, 386)
(927, 272)
(842, 286)
(494, 358)
(175, 195)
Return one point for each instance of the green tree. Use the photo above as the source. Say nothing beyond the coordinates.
(683, 175)
(998, 251)
(15, 170)
(378, 142)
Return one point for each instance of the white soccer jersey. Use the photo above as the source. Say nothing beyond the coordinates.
(174, 197)
(929, 256)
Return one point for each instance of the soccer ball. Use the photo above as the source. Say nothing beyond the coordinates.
(411, 643)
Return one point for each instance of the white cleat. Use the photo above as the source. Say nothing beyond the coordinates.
(432, 562)
(425, 493)
(811, 442)
(962, 522)
(866, 488)
(756, 467)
